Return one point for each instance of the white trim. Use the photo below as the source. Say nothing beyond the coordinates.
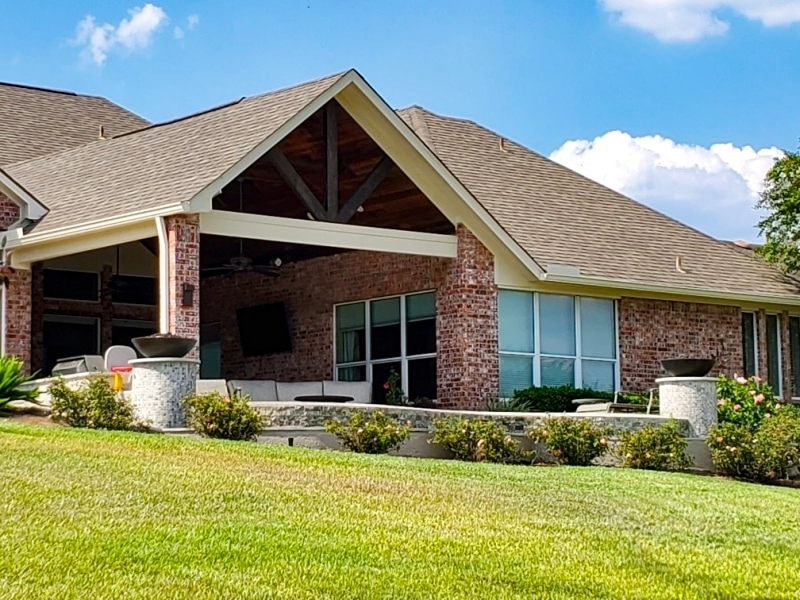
(163, 275)
(30, 207)
(336, 235)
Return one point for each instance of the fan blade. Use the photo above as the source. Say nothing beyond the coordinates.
(217, 269)
(266, 270)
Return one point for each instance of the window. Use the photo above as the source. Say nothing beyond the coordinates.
(69, 336)
(210, 351)
(71, 285)
(774, 354)
(794, 339)
(131, 289)
(750, 344)
(376, 336)
(553, 340)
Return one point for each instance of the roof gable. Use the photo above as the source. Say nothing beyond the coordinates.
(35, 121)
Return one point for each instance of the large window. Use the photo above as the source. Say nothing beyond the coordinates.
(69, 336)
(774, 354)
(398, 333)
(552, 340)
(71, 285)
(750, 342)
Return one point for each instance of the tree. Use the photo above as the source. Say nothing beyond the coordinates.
(781, 226)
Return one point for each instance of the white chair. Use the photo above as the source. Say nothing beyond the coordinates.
(118, 356)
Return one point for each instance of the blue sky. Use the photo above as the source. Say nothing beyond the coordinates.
(634, 93)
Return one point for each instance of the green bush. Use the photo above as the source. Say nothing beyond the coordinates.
(11, 378)
(554, 399)
(572, 441)
(94, 405)
(476, 440)
(216, 416)
(764, 454)
(744, 401)
(376, 435)
(659, 448)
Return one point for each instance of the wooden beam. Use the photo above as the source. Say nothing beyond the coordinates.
(295, 181)
(332, 160)
(365, 190)
(332, 235)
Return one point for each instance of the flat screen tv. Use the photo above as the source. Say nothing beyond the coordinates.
(263, 329)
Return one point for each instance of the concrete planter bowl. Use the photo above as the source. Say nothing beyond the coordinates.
(688, 367)
(163, 346)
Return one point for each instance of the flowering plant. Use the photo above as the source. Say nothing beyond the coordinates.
(745, 401)
(394, 392)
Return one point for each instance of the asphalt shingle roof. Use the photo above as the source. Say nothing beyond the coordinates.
(561, 217)
(157, 166)
(35, 121)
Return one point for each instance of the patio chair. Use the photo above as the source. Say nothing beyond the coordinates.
(592, 405)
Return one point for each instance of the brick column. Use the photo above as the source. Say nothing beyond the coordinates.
(183, 238)
(18, 295)
(466, 328)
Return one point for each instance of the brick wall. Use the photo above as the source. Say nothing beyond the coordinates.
(467, 361)
(183, 238)
(309, 290)
(468, 369)
(652, 330)
(18, 294)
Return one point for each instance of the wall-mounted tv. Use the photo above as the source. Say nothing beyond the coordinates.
(263, 329)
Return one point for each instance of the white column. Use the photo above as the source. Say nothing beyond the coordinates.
(691, 398)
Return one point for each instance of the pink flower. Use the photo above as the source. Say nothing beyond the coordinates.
(752, 392)
(720, 440)
(386, 385)
(737, 407)
(777, 407)
(722, 402)
(757, 379)
(759, 399)
(741, 380)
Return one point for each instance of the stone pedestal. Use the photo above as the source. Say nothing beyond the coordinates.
(158, 386)
(690, 398)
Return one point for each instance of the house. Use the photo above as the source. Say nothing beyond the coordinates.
(314, 233)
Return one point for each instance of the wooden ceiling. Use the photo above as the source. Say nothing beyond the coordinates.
(395, 204)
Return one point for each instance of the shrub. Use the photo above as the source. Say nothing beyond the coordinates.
(744, 401)
(513, 404)
(761, 455)
(572, 441)
(555, 399)
(216, 416)
(376, 435)
(660, 448)
(94, 405)
(476, 440)
(11, 378)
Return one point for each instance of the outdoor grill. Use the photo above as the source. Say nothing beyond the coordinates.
(85, 363)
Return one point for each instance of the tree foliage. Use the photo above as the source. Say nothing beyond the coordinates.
(781, 227)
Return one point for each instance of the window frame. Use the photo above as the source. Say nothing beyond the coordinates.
(578, 359)
(756, 354)
(779, 343)
(367, 363)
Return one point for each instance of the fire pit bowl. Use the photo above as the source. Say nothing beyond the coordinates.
(161, 345)
(688, 367)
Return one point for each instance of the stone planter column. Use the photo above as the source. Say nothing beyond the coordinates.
(158, 386)
(691, 398)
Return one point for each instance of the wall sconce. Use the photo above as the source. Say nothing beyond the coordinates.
(187, 298)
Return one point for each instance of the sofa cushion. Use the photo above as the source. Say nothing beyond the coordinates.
(360, 391)
(259, 390)
(209, 386)
(288, 391)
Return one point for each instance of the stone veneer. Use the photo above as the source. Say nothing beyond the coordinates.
(158, 387)
(652, 330)
(693, 399)
(183, 239)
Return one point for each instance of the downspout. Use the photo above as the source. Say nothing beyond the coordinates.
(163, 276)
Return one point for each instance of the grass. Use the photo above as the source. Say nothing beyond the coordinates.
(123, 515)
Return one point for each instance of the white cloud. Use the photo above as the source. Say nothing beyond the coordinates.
(178, 32)
(133, 33)
(688, 20)
(192, 21)
(712, 189)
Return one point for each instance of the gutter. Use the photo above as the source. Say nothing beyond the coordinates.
(626, 284)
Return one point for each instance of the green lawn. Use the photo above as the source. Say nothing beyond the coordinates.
(120, 515)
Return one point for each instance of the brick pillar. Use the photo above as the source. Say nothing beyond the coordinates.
(18, 295)
(466, 328)
(183, 237)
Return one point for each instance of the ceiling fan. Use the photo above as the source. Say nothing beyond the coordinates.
(242, 263)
